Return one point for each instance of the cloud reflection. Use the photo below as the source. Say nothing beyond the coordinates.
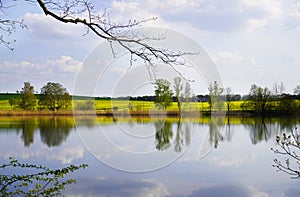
(228, 190)
(112, 187)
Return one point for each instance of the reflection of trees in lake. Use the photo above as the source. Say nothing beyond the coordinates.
(54, 131)
(180, 132)
(266, 128)
(228, 131)
(164, 134)
(28, 127)
(259, 130)
(215, 125)
(179, 140)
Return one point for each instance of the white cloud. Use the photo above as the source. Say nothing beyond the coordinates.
(273, 11)
(38, 72)
(66, 155)
(233, 162)
(122, 12)
(63, 64)
(45, 27)
(218, 15)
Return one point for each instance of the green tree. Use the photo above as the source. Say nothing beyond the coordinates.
(28, 101)
(163, 93)
(215, 93)
(13, 102)
(259, 99)
(54, 96)
(178, 87)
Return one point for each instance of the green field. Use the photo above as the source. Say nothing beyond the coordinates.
(107, 106)
(120, 105)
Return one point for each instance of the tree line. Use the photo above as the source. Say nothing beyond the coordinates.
(259, 100)
(53, 96)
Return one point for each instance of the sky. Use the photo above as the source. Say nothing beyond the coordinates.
(249, 42)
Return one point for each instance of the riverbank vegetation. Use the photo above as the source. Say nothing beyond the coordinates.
(55, 100)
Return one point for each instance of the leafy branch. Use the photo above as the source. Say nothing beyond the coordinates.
(289, 147)
(43, 182)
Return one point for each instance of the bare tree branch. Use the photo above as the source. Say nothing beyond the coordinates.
(83, 12)
(8, 26)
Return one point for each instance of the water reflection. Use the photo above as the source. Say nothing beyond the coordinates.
(27, 128)
(170, 132)
(215, 125)
(164, 134)
(241, 153)
(53, 131)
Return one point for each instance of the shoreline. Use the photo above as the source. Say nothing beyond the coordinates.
(9, 113)
(125, 113)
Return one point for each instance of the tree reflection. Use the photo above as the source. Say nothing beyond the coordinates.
(215, 125)
(258, 130)
(179, 140)
(228, 129)
(27, 127)
(54, 131)
(163, 134)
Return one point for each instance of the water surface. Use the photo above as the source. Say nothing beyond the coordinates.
(155, 157)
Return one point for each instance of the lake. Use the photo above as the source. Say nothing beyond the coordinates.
(153, 156)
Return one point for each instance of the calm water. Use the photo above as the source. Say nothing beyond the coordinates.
(155, 157)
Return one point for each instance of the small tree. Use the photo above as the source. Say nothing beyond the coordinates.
(28, 98)
(163, 93)
(54, 96)
(12, 102)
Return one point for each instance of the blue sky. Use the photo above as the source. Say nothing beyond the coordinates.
(249, 41)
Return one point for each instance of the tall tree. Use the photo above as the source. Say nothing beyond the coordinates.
(28, 98)
(187, 92)
(178, 87)
(163, 93)
(215, 93)
(229, 97)
(278, 89)
(54, 96)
